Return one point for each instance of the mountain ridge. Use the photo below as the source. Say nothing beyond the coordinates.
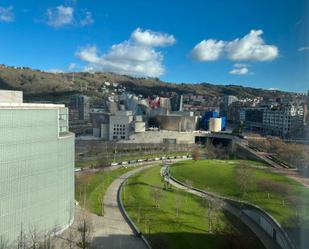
(40, 85)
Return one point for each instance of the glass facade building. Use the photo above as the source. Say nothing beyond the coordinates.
(36, 169)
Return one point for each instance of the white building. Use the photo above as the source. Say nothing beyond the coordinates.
(120, 125)
(283, 120)
(215, 124)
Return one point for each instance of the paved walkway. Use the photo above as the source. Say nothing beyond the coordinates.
(261, 234)
(112, 231)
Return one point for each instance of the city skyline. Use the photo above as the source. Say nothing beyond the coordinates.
(186, 42)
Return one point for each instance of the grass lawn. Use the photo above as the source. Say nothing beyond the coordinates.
(220, 177)
(90, 188)
(176, 219)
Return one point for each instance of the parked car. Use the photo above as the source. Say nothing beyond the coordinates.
(114, 164)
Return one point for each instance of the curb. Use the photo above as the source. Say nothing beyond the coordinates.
(237, 204)
(135, 229)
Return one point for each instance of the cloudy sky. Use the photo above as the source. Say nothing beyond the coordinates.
(252, 43)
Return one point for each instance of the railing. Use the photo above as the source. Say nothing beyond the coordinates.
(127, 217)
(256, 214)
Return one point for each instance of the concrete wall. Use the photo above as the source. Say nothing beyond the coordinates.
(11, 96)
(159, 136)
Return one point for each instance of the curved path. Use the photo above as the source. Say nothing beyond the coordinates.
(260, 233)
(112, 231)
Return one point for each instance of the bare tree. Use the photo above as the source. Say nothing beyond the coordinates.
(283, 190)
(210, 151)
(243, 175)
(177, 203)
(196, 153)
(157, 195)
(85, 233)
(34, 240)
(22, 239)
(69, 239)
(188, 183)
(265, 185)
(299, 205)
(212, 209)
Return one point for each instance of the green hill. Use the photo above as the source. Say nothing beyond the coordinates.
(44, 86)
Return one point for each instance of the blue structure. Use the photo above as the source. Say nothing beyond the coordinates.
(223, 123)
(206, 117)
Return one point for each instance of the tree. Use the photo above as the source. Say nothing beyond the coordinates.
(177, 203)
(22, 239)
(265, 185)
(196, 153)
(210, 151)
(212, 209)
(69, 239)
(157, 195)
(299, 204)
(283, 190)
(85, 234)
(34, 238)
(243, 176)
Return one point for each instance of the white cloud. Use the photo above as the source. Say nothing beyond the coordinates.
(89, 54)
(207, 50)
(7, 14)
(87, 20)
(54, 70)
(131, 57)
(250, 47)
(238, 65)
(239, 69)
(72, 66)
(60, 16)
(303, 49)
(152, 39)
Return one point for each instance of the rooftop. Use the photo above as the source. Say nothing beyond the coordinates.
(14, 100)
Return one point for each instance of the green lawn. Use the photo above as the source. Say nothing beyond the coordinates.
(220, 177)
(90, 188)
(165, 227)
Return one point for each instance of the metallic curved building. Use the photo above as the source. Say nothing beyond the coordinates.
(36, 167)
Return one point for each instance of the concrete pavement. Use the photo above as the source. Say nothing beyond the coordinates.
(112, 231)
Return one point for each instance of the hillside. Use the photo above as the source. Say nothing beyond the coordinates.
(44, 86)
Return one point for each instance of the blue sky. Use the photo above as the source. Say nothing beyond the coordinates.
(254, 43)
